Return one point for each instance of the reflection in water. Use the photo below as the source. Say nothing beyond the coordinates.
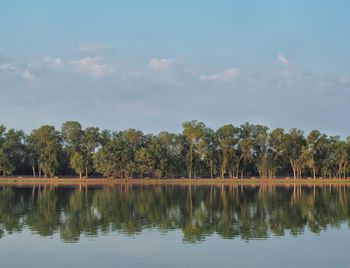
(230, 211)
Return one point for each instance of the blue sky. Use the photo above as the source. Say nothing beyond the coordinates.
(153, 64)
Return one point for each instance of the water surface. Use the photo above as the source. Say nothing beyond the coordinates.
(165, 226)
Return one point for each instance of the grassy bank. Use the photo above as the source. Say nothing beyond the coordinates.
(73, 181)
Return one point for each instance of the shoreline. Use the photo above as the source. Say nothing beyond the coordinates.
(75, 181)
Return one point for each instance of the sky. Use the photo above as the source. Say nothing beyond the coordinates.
(152, 65)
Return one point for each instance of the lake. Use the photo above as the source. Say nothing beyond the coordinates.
(175, 226)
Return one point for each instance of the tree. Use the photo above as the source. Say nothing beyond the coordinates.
(105, 161)
(90, 141)
(11, 150)
(111, 160)
(208, 150)
(46, 143)
(245, 147)
(134, 140)
(294, 143)
(171, 153)
(229, 151)
(192, 131)
(341, 158)
(77, 163)
(314, 151)
(32, 153)
(261, 150)
(72, 134)
(276, 150)
(228, 139)
(144, 158)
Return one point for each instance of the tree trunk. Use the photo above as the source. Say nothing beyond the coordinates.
(222, 173)
(33, 169)
(294, 169)
(191, 159)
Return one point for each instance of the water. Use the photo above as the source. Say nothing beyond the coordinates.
(164, 226)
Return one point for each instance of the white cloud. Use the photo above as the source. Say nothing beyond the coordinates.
(7, 67)
(27, 75)
(161, 64)
(53, 62)
(282, 59)
(263, 91)
(227, 75)
(92, 66)
(14, 71)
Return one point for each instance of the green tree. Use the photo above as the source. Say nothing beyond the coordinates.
(72, 134)
(228, 137)
(208, 150)
(134, 140)
(47, 144)
(245, 147)
(72, 137)
(111, 159)
(314, 151)
(276, 151)
(261, 150)
(192, 131)
(11, 150)
(145, 160)
(90, 141)
(294, 144)
(77, 163)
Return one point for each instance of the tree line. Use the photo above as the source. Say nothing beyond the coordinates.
(199, 151)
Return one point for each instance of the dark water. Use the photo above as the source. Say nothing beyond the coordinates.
(165, 226)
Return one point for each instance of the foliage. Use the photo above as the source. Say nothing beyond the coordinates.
(247, 150)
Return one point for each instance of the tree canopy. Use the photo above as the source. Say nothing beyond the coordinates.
(229, 152)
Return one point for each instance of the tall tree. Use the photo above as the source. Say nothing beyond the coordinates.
(47, 145)
(294, 144)
(208, 150)
(276, 150)
(90, 141)
(11, 150)
(72, 134)
(245, 147)
(314, 151)
(77, 163)
(112, 158)
(261, 150)
(228, 137)
(192, 130)
(134, 140)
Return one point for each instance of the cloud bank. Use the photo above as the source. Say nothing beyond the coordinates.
(161, 64)
(92, 66)
(116, 95)
(227, 75)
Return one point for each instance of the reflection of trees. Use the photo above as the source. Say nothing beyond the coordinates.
(11, 211)
(43, 214)
(229, 211)
(78, 216)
